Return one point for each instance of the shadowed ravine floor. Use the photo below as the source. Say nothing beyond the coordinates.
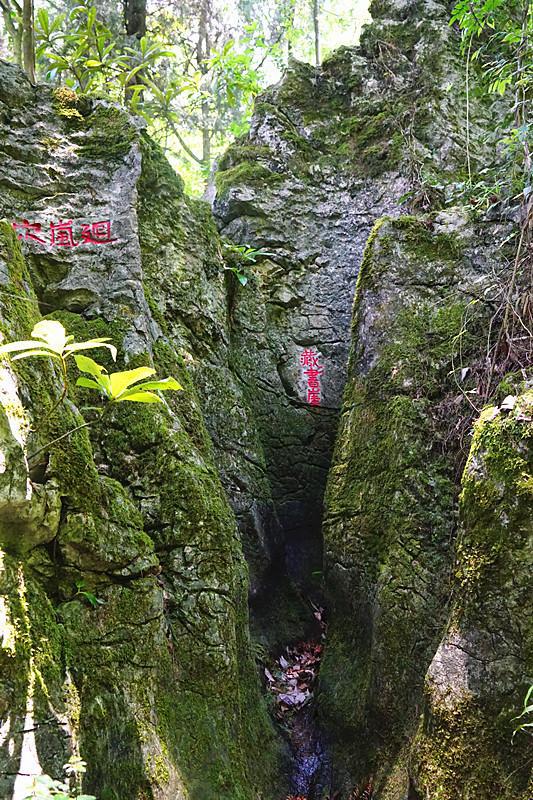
(291, 680)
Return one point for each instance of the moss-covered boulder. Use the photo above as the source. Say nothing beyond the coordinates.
(391, 503)
(482, 669)
(126, 625)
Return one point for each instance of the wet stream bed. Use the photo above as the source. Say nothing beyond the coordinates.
(292, 680)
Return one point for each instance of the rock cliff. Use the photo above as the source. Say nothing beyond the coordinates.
(390, 525)
(322, 181)
(156, 684)
(480, 668)
(329, 152)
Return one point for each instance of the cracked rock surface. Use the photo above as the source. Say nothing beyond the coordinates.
(123, 582)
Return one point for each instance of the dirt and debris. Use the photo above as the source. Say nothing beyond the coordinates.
(291, 680)
(293, 677)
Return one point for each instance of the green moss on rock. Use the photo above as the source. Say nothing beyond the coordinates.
(246, 173)
(391, 498)
(479, 676)
(109, 133)
(67, 103)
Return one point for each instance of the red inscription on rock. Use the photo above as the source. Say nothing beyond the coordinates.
(310, 359)
(61, 233)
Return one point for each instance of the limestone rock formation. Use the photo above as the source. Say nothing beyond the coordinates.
(329, 152)
(481, 666)
(154, 678)
(420, 319)
(128, 550)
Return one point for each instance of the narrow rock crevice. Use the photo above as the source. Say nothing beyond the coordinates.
(211, 533)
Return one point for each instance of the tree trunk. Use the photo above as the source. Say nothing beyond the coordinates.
(135, 25)
(290, 23)
(135, 17)
(316, 9)
(203, 53)
(14, 31)
(28, 39)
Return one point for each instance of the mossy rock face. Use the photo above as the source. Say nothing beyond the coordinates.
(123, 583)
(330, 150)
(482, 669)
(391, 501)
(71, 161)
(141, 648)
(189, 292)
(33, 688)
(389, 106)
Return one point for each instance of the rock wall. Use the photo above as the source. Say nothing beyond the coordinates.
(420, 325)
(330, 151)
(156, 684)
(481, 669)
(334, 157)
(156, 514)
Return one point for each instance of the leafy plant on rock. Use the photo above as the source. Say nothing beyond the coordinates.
(497, 38)
(44, 787)
(527, 715)
(118, 387)
(83, 593)
(52, 341)
(239, 256)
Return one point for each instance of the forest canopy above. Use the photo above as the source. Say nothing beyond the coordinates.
(192, 69)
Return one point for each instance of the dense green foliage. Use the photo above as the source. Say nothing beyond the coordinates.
(190, 69)
(497, 42)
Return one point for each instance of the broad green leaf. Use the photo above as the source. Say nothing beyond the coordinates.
(120, 381)
(86, 364)
(77, 346)
(162, 385)
(134, 71)
(28, 353)
(44, 21)
(12, 347)
(60, 61)
(92, 63)
(139, 397)
(88, 383)
(95, 602)
(52, 332)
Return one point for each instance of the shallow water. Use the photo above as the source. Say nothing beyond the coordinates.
(311, 767)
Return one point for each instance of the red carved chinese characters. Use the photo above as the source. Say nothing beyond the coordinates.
(61, 233)
(97, 233)
(29, 231)
(310, 359)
